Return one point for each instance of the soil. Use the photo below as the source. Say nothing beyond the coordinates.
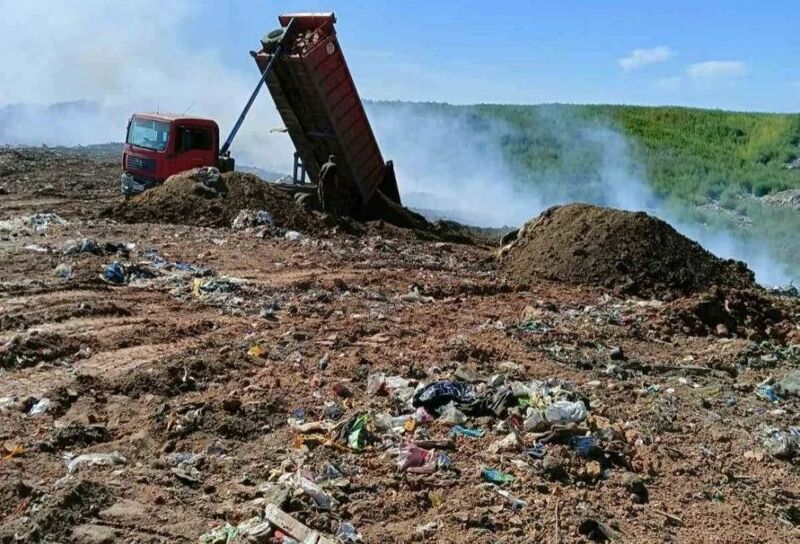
(633, 253)
(166, 365)
(181, 199)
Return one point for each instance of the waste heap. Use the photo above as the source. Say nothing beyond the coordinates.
(633, 253)
(435, 431)
(204, 197)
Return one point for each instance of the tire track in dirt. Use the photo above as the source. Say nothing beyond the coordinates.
(156, 327)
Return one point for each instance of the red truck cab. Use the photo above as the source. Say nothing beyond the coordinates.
(159, 145)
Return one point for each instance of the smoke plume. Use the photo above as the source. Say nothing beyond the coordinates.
(101, 61)
(452, 160)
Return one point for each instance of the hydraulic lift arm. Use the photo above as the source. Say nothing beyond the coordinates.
(225, 149)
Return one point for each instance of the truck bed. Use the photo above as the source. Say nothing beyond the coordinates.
(318, 102)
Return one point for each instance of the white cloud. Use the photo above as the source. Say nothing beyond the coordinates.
(672, 83)
(715, 70)
(642, 57)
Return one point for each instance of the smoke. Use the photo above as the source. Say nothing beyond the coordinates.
(454, 160)
(98, 62)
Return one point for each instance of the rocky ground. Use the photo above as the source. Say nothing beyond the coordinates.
(216, 371)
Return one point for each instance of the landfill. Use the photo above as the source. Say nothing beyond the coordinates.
(268, 375)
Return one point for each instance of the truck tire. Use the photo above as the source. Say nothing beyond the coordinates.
(271, 40)
(350, 201)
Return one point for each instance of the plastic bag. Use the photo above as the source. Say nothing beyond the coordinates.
(106, 459)
(564, 411)
(438, 394)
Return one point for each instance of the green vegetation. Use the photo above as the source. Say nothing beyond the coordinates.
(693, 155)
(707, 166)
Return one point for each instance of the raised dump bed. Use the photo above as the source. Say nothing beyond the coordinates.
(320, 107)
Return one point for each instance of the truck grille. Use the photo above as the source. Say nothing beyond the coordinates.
(139, 163)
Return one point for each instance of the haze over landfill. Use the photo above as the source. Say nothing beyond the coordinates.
(493, 312)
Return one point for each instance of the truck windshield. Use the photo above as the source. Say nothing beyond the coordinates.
(149, 134)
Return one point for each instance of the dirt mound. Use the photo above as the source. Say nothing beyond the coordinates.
(183, 199)
(745, 314)
(633, 253)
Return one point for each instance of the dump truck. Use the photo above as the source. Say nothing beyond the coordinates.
(317, 100)
(158, 145)
(302, 65)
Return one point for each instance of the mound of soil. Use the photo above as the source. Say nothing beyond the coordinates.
(633, 253)
(182, 199)
(743, 313)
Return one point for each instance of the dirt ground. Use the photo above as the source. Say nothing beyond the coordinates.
(204, 374)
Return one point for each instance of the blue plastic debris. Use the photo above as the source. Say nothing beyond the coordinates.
(464, 431)
(538, 451)
(443, 461)
(586, 446)
(767, 392)
(115, 273)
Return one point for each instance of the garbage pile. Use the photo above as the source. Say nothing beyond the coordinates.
(633, 253)
(201, 198)
(434, 431)
(38, 223)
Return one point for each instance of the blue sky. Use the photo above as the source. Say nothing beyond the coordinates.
(724, 54)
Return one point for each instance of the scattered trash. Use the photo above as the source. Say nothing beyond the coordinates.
(509, 443)
(538, 451)
(415, 296)
(617, 354)
(563, 411)
(94, 459)
(452, 415)
(36, 248)
(37, 223)
(767, 392)
(9, 452)
(252, 218)
(64, 271)
(417, 460)
(441, 393)
(357, 437)
(780, 443)
(342, 391)
(293, 236)
(516, 503)
(458, 430)
(789, 385)
(251, 530)
(115, 273)
(429, 529)
(256, 351)
(586, 446)
(347, 533)
(290, 526)
(495, 476)
(40, 407)
(187, 473)
(322, 500)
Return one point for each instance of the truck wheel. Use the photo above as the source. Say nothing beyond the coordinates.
(271, 40)
(349, 201)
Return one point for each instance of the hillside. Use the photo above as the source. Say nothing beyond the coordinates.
(706, 167)
(691, 154)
